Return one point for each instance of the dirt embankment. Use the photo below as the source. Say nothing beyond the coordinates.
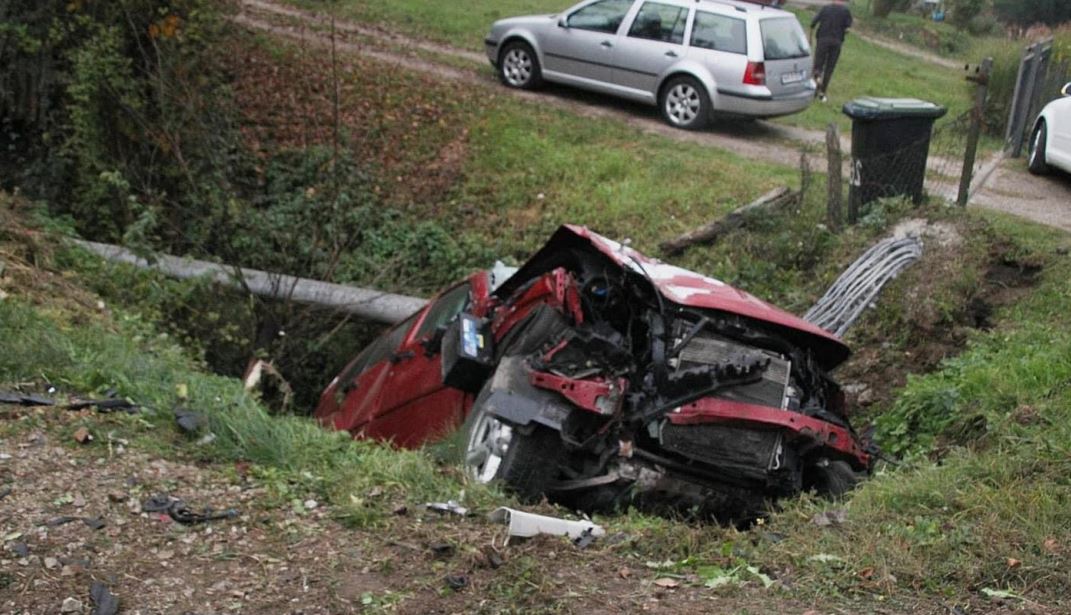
(928, 314)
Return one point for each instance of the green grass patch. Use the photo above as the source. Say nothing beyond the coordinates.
(291, 454)
(993, 512)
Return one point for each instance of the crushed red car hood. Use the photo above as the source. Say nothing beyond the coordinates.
(682, 287)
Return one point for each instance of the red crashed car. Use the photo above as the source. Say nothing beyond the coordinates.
(599, 377)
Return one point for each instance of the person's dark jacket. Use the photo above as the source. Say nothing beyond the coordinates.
(833, 21)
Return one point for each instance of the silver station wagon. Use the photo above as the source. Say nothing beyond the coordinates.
(692, 58)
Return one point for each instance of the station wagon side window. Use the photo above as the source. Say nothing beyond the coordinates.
(719, 32)
(446, 308)
(603, 16)
(660, 22)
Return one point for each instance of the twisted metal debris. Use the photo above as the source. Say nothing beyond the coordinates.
(857, 287)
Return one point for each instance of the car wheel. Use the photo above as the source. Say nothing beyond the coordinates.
(518, 66)
(497, 452)
(1038, 141)
(832, 479)
(684, 103)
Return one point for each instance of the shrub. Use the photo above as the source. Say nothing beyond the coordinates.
(1001, 83)
(882, 8)
(1027, 12)
(963, 12)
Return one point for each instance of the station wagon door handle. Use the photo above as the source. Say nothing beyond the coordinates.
(606, 44)
(671, 53)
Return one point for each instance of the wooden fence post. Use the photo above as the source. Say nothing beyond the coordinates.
(980, 92)
(833, 178)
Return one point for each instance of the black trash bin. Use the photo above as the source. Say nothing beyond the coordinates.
(890, 144)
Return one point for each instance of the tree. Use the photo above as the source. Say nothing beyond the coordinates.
(882, 8)
(1027, 12)
(962, 12)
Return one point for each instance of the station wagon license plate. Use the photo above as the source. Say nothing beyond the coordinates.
(793, 77)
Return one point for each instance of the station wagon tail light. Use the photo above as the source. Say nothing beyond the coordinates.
(755, 73)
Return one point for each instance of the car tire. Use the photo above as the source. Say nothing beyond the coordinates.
(832, 479)
(1038, 141)
(684, 103)
(518, 66)
(525, 462)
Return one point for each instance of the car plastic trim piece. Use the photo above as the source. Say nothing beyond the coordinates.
(525, 525)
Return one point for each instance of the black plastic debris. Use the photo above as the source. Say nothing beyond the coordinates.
(104, 601)
(441, 550)
(94, 523)
(457, 582)
(585, 539)
(189, 421)
(181, 513)
(104, 405)
(24, 399)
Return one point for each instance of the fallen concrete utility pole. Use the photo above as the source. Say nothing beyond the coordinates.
(710, 233)
(361, 302)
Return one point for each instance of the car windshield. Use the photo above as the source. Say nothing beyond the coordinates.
(783, 38)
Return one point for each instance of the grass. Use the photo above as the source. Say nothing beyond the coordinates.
(992, 515)
(126, 355)
(529, 169)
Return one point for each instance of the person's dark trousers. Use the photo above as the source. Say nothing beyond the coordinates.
(825, 60)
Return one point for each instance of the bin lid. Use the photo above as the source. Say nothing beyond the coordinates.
(871, 108)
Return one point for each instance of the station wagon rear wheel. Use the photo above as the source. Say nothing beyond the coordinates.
(518, 66)
(684, 103)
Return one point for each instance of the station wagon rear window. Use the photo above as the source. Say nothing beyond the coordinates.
(783, 39)
(712, 31)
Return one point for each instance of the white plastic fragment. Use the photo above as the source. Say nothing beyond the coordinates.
(524, 525)
(451, 506)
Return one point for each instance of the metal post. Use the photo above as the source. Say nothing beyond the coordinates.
(981, 79)
(1041, 72)
(833, 177)
(1013, 137)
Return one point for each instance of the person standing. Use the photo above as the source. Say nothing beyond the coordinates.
(832, 21)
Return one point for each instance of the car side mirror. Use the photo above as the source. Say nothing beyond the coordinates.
(1066, 91)
(563, 22)
(433, 343)
(404, 355)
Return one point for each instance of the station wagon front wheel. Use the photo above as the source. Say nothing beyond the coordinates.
(684, 103)
(518, 66)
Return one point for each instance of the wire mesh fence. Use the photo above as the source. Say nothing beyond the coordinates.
(931, 164)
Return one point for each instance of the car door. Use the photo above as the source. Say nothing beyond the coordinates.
(1059, 150)
(719, 42)
(653, 42)
(581, 47)
(354, 399)
(415, 405)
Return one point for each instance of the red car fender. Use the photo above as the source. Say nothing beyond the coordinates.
(715, 410)
(600, 396)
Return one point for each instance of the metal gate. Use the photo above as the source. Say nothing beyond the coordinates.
(1038, 82)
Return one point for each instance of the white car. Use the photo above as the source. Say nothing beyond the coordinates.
(1050, 141)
